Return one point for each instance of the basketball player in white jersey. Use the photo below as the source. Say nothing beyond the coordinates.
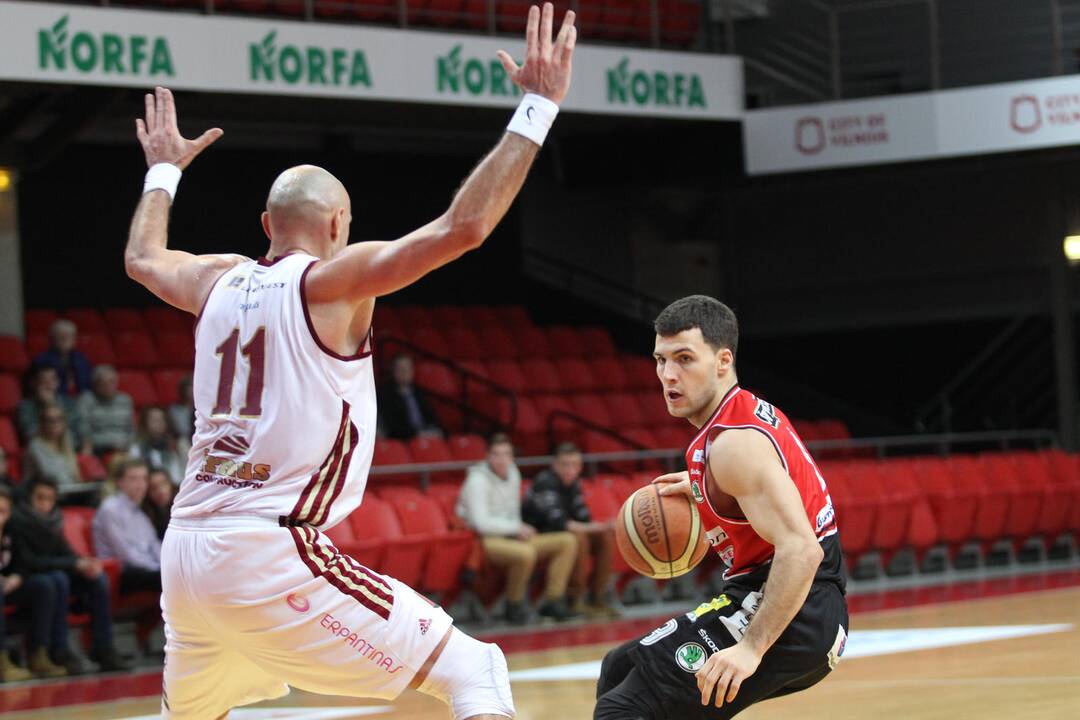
(255, 597)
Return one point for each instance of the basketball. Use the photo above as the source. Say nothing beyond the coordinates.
(660, 536)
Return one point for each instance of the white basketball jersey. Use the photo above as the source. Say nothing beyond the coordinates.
(284, 427)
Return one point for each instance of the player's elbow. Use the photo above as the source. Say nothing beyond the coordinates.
(135, 266)
(467, 235)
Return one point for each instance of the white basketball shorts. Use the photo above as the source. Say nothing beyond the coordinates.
(251, 608)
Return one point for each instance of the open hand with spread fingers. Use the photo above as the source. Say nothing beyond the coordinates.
(547, 67)
(160, 138)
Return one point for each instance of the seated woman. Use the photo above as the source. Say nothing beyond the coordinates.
(157, 445)
(159, 500)
(51, 452)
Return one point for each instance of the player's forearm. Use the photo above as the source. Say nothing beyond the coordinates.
(490, 189)
(789, 582)
(148, 234)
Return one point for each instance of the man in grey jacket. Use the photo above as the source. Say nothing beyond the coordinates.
(490, 503)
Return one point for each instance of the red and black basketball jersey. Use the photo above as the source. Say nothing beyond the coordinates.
(733, 538)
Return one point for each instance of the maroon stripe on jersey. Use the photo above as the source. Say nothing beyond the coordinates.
(306, 546)
(332, 458)
(350, 569)
(339, 484)
(331, 476)
(360, 353)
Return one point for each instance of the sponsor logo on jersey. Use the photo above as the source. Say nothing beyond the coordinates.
(728, 555)
(362, 646)
(715, 604)
(695, 490)
(837, 650)
(227, 468)
(825, 516)
(690, 657)
(716, 536)
(299, 603)
(699, 455)
(425, 625)
(237, 281)
(766, 413)
(708, 640)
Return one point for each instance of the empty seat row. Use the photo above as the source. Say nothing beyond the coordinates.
(155, 319)
(539, 376)
(124, 349)
(491, 341)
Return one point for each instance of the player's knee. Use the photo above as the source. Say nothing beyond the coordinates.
(472, 678)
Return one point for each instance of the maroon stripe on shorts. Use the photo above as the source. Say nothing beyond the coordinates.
(306, 545)
(340, 561)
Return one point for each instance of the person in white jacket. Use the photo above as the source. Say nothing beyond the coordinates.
(490, 504)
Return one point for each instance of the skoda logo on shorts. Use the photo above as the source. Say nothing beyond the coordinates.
(690, 657)
(298, 603)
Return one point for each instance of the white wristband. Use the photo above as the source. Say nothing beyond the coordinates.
(162, 176)
(533, 118)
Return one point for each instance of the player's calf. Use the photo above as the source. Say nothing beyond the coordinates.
(471, 677)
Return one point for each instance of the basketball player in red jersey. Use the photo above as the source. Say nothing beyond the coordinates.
(255, 597)
(781, 622)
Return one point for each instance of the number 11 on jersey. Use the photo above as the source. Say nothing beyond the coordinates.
(255, 352)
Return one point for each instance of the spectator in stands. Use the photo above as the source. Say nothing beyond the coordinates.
(182, 412)
(51, 452)
(43, 388)
(106, 413)
(159, 500)
(19, 592)
(155, 444)
(555, 503)
(40, 547)
(6, 481)
(72, 367)
(490, 504)
(404, 411)
(123, 532)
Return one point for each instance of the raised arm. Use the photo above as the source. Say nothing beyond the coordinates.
(179, 278)
(744, 464)
(371, 269)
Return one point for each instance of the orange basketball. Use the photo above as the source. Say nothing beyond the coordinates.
(660, 536)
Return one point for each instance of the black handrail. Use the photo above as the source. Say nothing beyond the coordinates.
(465, 375)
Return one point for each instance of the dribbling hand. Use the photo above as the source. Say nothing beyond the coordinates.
(547, 66)
(725, 671)
(160, 138)
(674, 484)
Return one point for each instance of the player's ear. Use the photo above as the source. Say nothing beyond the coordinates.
(724, 361)
(266, 224)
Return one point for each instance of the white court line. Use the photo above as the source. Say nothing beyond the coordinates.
(861, 643)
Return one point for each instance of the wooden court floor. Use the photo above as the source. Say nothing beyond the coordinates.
(1032, 677)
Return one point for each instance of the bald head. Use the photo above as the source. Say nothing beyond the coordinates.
(307, 203)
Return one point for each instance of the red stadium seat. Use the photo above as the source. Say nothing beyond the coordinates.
(448, 316)
(855, 511)
(626, 410)
(497, 342)
(479, 316)
(575, 374)
(37, 322)
(414, 317)
(137, 384)
(87, 320)
(91, 469)
(548, 404)
(594, 442)
(992, 511)
(1002, 473)
(386, 318)
(954, 508)
(669, 437)
(463, 343)
(12, 354)
(609, 374)
(446, 494)
(541, 375)
(159, 319)
(679, 21)
(9, 439)
(1065, 475)
(467, 446)
(77, 529)
(380, 544)
(166, 383)
(922, 532)
(592, 408)
(1053, 515)
(597, 341)
(514, 316)
(433, 450)
(124, 320)
(531, 341)
(508, 374)
(10, 393)
(641, 373)
(134, 350)
(422, 516)
(429, 339)
(438, 378)
(389, 453)
(37, 344)
(599, 498)
(176, 349)
(375, 10)
(530, 435)
(565, 341)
